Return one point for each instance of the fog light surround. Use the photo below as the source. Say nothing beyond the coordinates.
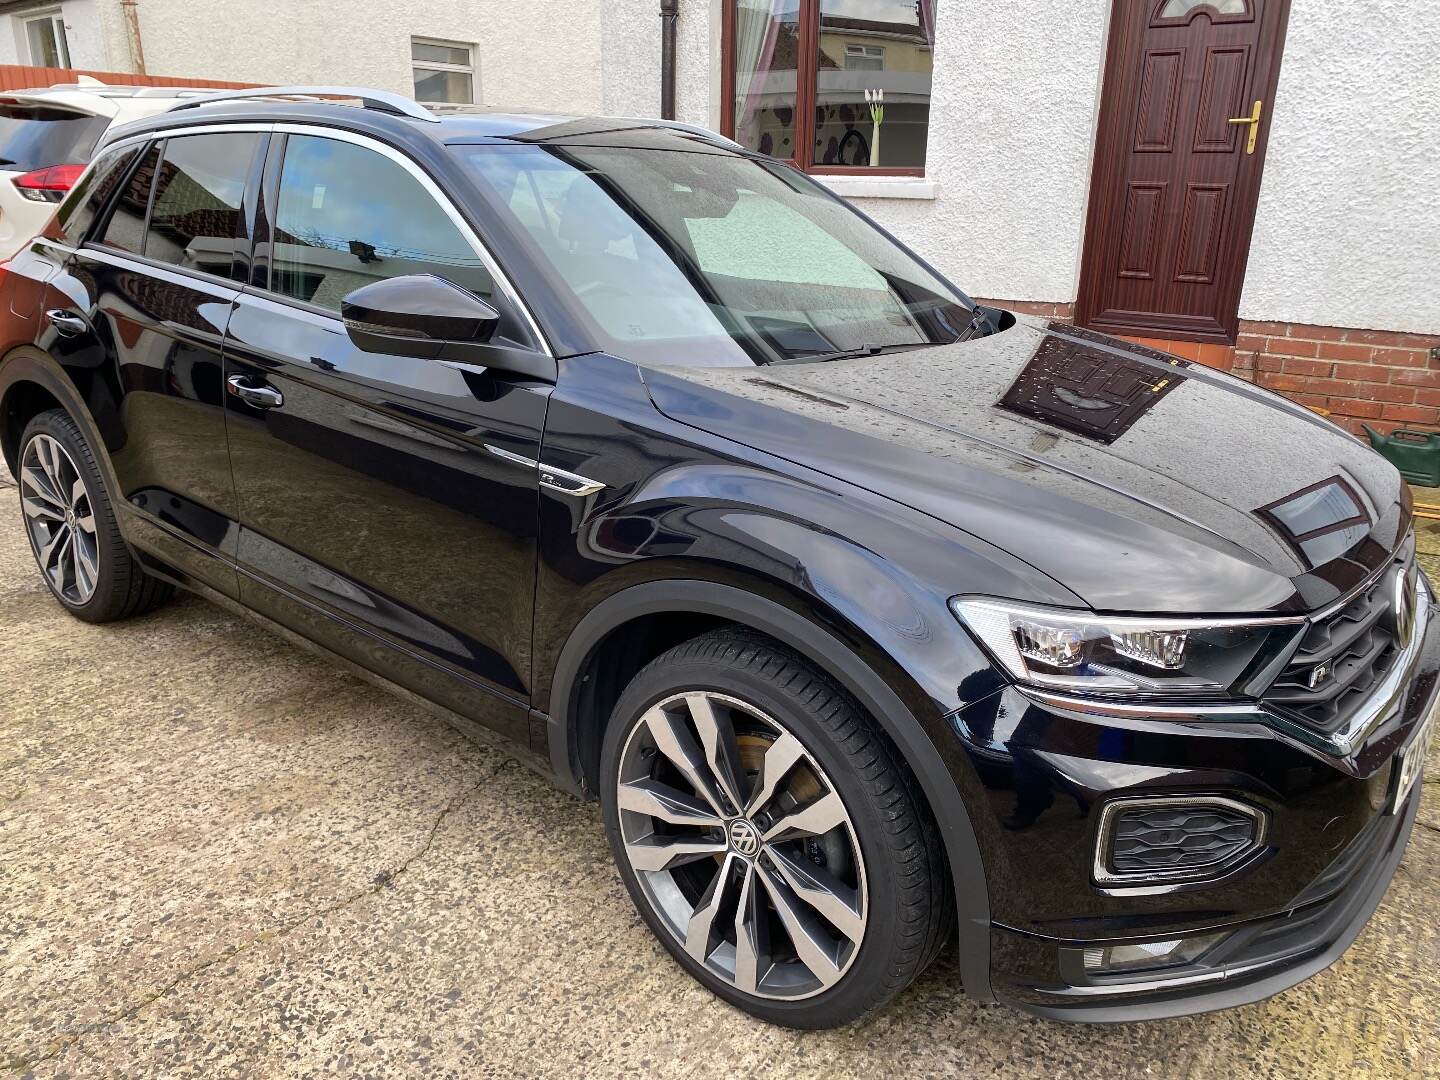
(1164, 843)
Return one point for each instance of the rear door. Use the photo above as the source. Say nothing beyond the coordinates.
(383, 511)
(138, 315)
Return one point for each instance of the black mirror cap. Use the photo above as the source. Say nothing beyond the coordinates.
(416, 315)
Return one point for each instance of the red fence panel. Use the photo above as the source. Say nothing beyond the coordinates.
(21, 77)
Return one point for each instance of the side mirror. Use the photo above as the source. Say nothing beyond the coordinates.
(416, 315)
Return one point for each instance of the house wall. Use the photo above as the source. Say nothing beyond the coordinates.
(541, 54)
(1349, 213)
(1349, 220)
(84, 35)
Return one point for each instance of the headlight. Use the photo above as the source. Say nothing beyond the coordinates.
(1103, 654)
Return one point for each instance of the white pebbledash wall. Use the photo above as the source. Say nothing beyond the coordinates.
(539, 53)
(1348, 226)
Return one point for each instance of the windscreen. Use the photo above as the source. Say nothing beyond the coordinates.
(37, 136)
(714, 259)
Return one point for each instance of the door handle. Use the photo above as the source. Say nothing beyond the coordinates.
(67, 324)
(1254, 121)
(260, 397)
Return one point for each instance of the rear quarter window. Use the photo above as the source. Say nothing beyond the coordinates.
(38, 136)
(83, 205)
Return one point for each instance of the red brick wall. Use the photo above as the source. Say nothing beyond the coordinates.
(1383, 378)
(1379, 377)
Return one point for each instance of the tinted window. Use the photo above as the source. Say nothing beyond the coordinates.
(199, 196)
(348, 216)
(83, 205)
(36, 137)
(126, 228)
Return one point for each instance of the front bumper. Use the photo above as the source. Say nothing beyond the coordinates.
(1330, 851)
(1259, 959)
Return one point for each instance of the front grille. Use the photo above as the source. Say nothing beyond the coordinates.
(1183, 838)
(1342, 659)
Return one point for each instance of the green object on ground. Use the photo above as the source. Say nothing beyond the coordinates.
(1415, 453)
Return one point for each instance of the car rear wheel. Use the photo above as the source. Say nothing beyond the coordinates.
(768, 833)
(72, 529)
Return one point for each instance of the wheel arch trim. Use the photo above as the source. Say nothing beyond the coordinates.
(795, 630)
(28, 364)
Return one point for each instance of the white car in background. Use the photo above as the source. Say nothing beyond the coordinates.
(46, 137)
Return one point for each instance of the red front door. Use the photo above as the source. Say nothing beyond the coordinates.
(1184, 117)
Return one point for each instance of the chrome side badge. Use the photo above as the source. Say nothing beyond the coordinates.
(567, 483)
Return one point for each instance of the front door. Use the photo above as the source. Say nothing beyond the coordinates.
(1189, 89)
(382, 512)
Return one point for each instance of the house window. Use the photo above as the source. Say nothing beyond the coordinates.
(444, 71)
(833, 86)
(45, 39)
(864, 58)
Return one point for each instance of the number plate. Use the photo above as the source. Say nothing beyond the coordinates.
(1412, 758)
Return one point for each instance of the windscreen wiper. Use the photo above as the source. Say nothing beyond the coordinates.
(849, 354)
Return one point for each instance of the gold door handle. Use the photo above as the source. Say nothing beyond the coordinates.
(1254, 121)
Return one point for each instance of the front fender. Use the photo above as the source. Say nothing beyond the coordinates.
(924, 745)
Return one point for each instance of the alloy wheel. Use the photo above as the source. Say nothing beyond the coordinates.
(742, 846)
(60, 519)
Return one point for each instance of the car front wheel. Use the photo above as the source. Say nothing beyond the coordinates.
(768, 833)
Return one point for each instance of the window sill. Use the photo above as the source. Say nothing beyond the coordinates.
(851, 186)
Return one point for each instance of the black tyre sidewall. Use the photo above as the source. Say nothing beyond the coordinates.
(116, 564)
(855, 994)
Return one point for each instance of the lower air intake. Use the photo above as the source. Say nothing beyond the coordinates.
(1171, 840)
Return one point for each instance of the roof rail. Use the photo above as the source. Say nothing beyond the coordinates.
(379, 100)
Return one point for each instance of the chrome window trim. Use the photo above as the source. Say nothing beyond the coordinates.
(122, 138)
(1164, 880)
(502, 280)
(176, 275)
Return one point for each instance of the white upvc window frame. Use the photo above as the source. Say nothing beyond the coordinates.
(472, 68)
(860, 51)
(56, 20)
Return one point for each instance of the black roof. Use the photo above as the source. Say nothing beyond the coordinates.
(451, 126)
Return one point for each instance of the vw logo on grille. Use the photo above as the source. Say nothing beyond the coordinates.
(1402, 604)
(743, 838)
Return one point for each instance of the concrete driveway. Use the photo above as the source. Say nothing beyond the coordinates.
(220, 856)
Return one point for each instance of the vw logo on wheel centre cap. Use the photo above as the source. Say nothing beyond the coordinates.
(743, 838)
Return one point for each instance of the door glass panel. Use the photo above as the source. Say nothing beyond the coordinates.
(1179, 9)
(872, 94)
(126, 229)
(348, 216)
(767, 52)
(198, 201)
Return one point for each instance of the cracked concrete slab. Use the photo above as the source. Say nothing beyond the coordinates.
(220, 856)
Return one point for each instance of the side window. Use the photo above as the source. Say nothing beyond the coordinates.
(126, 228)
(198, 204)
(84, 204)
(347, 216)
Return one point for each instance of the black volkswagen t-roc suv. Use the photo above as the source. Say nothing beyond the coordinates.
(875, 619)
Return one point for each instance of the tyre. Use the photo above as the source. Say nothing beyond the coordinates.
(71, 524)
(769, 834)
